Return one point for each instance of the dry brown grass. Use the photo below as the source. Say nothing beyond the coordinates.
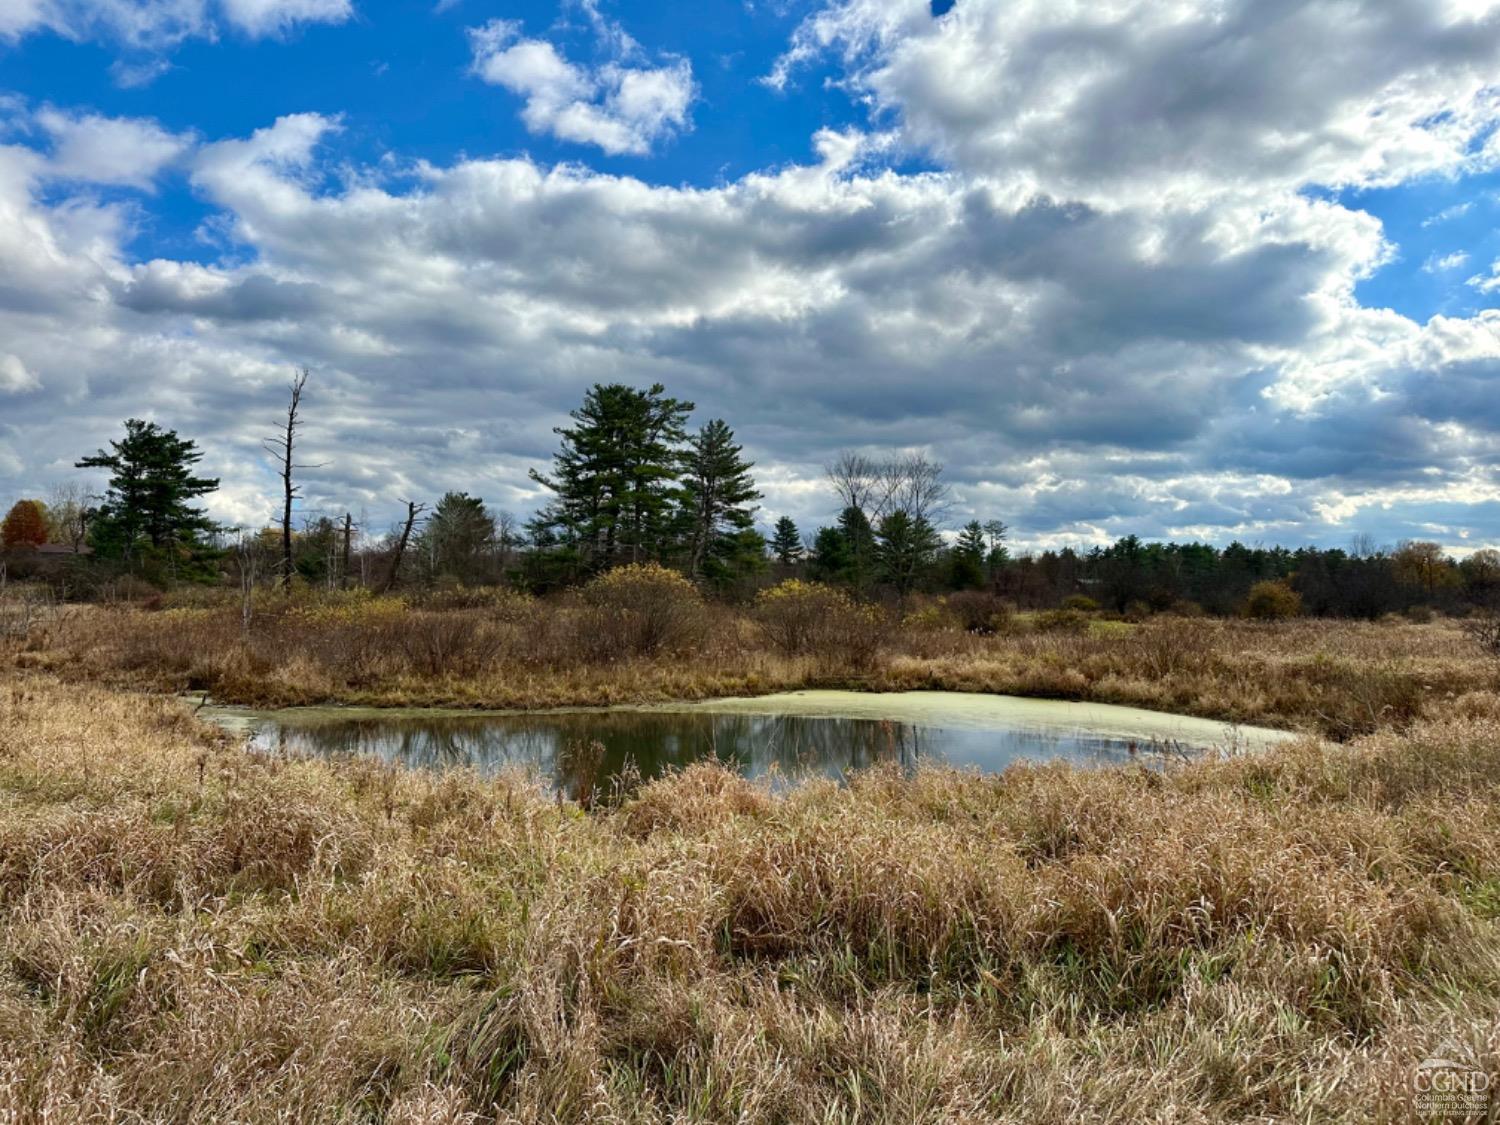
(190, 933)
(1342, 679)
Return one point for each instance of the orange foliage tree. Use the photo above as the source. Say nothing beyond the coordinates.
(25, 525)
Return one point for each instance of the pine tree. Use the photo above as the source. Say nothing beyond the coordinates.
(786, 542)
(968, 557)
(859, 548)
(717, 493)
(829, 559)
(616, 473)
(147, 504)
(998, 556)
(904, 550)
(456, 536)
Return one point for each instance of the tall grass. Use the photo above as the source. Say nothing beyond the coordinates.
(189, 932)
(652, 640)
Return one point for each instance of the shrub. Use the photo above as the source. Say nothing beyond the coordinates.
(642, 609)
(439, 644)
(1080, 603)
(1185, 608)
(979, 612)
(931, 618)
(1137, 611)
(1419, 614)
(1484, 630)
(1272, 601)
(1061, 621)
(808, 618)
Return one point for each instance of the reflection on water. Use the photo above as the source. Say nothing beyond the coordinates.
(559, 746)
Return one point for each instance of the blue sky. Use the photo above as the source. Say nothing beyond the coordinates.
(1218, 269)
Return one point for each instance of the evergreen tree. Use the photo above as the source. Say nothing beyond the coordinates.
(859, 548)
(147, 505)
(829, 560)
(786, 543)
(457, 535)
(968, 557)
(905, 547)
(717, 493)
(615, 474)
(998, 556)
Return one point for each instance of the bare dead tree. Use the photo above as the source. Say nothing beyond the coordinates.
(857, 478)
(281, 447)
(907, 482)
(507, 534)
(247, 555)
(348, 537)
(413, 510)
(915, 486)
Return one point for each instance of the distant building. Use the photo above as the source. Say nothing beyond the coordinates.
(63, 549)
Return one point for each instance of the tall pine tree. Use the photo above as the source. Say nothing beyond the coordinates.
(717, 498)
(615, 474)
(786, 542)
(148, 502)
(904, 549)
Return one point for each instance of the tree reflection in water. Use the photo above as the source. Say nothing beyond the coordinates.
(645, 744)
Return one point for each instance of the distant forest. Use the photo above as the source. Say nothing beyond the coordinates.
(632, 482)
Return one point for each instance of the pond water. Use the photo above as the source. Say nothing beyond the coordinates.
(788, 736)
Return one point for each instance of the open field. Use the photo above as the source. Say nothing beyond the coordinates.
(189, 932)
(1338, 678)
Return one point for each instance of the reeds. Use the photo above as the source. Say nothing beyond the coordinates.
(190, 932)
(660, 642)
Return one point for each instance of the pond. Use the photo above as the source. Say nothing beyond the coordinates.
(788, 736)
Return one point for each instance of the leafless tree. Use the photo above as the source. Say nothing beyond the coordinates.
(247, 552)
(413, 511)
(507, 536)
(858, 479)
(914, 485)
(907, 482)
(281, 447)
(68, 511)
(348, 539)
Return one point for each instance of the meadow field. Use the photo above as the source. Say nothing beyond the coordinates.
(190, 932)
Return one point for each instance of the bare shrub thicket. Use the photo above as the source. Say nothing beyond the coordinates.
(810, 619)
(638, 610)
(980, 612)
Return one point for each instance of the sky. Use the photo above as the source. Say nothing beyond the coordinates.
(1189, 269)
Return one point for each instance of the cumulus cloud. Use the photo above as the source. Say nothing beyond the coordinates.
(1162, 339)
(157, 26)
(14, 378)
(619, 107)
(1487, 283)
(1075, 97)
(109, 150)
(273, 17)
(1443, 263)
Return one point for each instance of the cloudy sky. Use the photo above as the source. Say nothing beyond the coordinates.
(1189, 268)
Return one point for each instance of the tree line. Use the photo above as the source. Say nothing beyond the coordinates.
(631, 481)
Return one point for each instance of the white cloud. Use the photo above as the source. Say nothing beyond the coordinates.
(14, 378)
(161, 25)
(618, 107)
(1487, 283)
(1448, 214)
(1162, 336)
(109, 150)
(1097, 100)
(275, 17)
(1442, 264)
